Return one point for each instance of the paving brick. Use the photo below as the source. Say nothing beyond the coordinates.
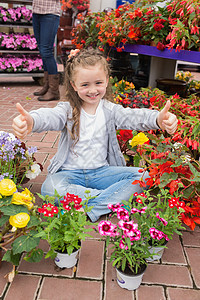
(68, 289)
(112, 291)
(91, 259)
(45, 266)
(150, 292)
(36, 188)
(5, 268)
(51, 137)
(191, 239)
(182, 294)
(23, 287)
(193, 255)
(174, 252)
(168, 275)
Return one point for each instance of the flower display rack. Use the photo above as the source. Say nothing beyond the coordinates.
(184, 55)
(7, 52)
(163, 63)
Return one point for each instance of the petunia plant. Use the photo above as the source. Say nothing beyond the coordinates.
(18, 224)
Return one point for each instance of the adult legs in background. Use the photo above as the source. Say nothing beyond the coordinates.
(45, 28)
(106, 185)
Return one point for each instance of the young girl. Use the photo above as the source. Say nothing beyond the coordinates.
(88, 156)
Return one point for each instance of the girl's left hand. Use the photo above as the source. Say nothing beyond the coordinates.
(166, 120)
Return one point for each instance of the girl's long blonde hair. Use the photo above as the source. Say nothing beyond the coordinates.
(84, 58)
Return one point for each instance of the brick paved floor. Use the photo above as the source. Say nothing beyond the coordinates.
(175, 277)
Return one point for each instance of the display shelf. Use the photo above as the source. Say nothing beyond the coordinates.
(26, 26)
(29, 2)
(21, 74)
(16, 25)
(163, 63)
(183, 55)
(19, 51)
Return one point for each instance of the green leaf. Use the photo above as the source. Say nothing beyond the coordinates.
(34, 221)
(13, 209)
(166, 178)
(12, 258)
(34, 256)
(5, 201)
(3, 220)
(25, 243)
(177, 163)
(195, 173)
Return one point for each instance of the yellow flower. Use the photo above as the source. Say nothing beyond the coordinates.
(7, 187)
(20, 220)
(23, 198)
(139, 139)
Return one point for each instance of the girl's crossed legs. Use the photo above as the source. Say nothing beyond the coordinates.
(108, 184)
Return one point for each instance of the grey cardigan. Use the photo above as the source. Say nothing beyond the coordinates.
(59, 118)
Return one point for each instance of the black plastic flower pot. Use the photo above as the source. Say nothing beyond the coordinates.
(172, 86)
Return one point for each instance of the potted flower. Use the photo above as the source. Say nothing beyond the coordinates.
(129, 251)
(173, 25)
(159, 216)
(64, 227)
(79, 5)
(16, 160)
(18, 225)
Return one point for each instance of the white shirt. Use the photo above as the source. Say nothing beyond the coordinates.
(91, 150)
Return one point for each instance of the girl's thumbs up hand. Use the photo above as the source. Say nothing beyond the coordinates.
(23, 123)
(166, 120)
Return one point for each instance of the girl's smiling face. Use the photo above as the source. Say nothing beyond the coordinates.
(90, 84)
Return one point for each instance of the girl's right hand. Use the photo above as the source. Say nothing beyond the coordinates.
(22, 124)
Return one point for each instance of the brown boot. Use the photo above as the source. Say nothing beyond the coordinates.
(45, 86)
(53, 91)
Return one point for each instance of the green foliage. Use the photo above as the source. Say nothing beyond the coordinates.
(66, 228)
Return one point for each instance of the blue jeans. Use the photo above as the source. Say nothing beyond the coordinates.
(45, 29)
(108, 184)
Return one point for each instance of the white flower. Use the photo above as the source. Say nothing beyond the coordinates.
(178, 145)
(186, 157)
(34, 172)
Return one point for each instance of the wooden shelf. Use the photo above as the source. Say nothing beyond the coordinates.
(183, 55)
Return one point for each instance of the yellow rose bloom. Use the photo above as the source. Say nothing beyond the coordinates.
(23, 198)
(139, 139)
(20, 220)
(7, 187)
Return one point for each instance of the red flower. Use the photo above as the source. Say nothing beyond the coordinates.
(157, 26)
(160, 46)
(126, 135)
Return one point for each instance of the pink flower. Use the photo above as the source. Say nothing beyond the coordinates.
(122, 214)
(123, 244)
(114, 207)
(130, 230)
(107, 228)
(161, 219)
(156, 234)
(141, 211)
